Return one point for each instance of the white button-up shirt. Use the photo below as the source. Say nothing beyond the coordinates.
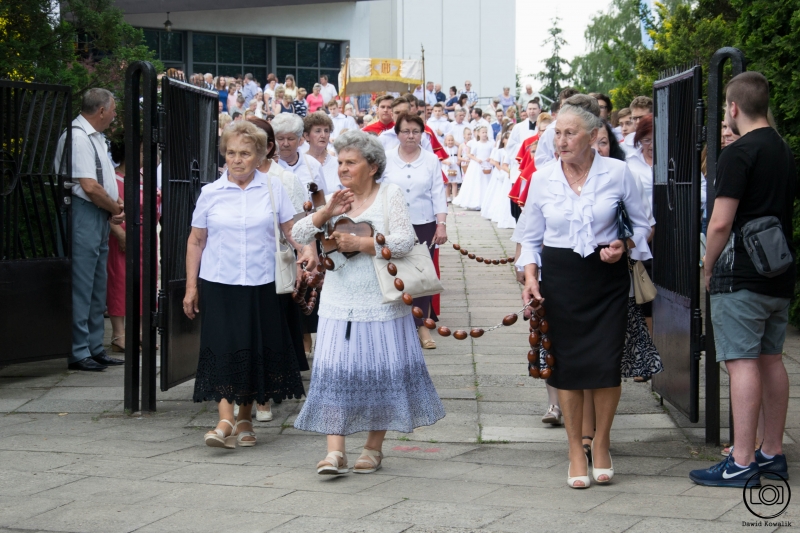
(342, 122)
(240, 249)
(421, 183)
(307, 169)
(457, 131)
(330, 171)
(443, 125)
(546, 149)
(84, 163)
(521, 133)
(644, 175)
(328, 91)
(557, 217)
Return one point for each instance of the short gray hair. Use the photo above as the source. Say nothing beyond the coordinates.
(584, 107)
(367, 145)
(94, 99)
(287, 123)
(316, 85)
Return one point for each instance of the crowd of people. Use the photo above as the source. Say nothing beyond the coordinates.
(559, 178)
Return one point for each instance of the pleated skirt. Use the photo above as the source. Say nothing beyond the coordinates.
(374, 380)
(586, 304)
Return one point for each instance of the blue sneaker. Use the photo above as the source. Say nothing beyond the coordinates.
(777, 465)
(726, 474)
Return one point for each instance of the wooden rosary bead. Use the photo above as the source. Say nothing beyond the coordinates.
(509, 320)
(328, 263)
(444, 331)
(313, 187)
(532, 356)
(545, 372)
(540, 312)
(533, 371)
(295, 294)
(510, 259)
(460, 334)
(398, 284)
(503, 261)
(417, 312)
(307, 206)
(456, 246)
(429, 323)
(533, 339)
(391, 268)
(471, 256)
(479, 259)
(464, 251)
(320, 266)
(380, 239)
(476, 332)
(487, 261)
(535, 322)
(544, 326)
(495, 261)
(550, 360)
(546, 343)
(386, 253)
(407, 298)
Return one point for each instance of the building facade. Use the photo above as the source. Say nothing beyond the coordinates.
(463, 39)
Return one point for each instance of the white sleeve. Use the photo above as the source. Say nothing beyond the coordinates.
(426, 143)
(438, 194)
(545, 150)
(635, 205)
(532, 235)
(282, 202)
(401, 237)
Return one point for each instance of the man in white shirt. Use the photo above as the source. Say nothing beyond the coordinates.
(478, 120)
(438, 123)
(389, 138)
(341, 122)
(430, 94)
(640, 107)
(525, 129)
(525, 97)
(457, 127)
(95, 203)
(328, 90)
(472, 96)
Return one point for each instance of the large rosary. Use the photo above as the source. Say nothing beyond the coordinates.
(540, 361)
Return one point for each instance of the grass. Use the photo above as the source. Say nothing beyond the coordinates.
(403, 438)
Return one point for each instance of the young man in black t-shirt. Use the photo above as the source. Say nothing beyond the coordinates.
(756, 177)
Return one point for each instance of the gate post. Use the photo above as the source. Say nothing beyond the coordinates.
(140, 85)
(738, 64)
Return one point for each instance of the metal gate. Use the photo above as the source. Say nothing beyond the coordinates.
(677, 323)
(35, 218)
(189, 161)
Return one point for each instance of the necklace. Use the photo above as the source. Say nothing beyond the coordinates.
(361, 204)
(580, 187)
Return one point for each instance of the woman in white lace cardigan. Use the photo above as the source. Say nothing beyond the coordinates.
(368, 372)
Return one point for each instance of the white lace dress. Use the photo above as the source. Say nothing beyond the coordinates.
(475, 181)
(501, 205)
(368, 373)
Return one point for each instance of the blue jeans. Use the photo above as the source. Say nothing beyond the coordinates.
(89, 278)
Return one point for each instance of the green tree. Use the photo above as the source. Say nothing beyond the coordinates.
(556, 68)
(88, 44)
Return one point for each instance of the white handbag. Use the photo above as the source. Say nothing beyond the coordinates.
(415, 269)
(285, 261)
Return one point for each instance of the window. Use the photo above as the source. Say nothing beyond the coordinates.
(168, 46)
(230, 55)
(306, 60)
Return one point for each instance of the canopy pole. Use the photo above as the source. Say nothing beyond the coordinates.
(423, 70)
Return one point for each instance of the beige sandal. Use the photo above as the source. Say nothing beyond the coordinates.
(373, 457)
(330, 465)
(216, 438)
(241, 435)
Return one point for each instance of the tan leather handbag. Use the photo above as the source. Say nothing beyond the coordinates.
(643, 287)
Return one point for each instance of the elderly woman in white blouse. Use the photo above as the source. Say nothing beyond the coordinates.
(317, 128)
(571, 233)
(368, 373)
(418, 173)
(288, 130)
(246, 350)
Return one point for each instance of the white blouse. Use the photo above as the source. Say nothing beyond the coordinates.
(351, 290)
(559, 218)
(642, 171)
(342, 122)
(240, 249)
(307, 169)
(421, 183)
(330, 171)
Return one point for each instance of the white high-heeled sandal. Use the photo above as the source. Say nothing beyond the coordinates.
(597, 472)
(584, 479)
(216, 438)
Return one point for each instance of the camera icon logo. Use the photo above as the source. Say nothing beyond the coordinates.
(768, 500)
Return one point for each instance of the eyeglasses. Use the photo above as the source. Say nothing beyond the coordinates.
(646, 142)
(408, 133)
(636, 119)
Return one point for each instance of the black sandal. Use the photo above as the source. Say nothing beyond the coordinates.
(587, 448)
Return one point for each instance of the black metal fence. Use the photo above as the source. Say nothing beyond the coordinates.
(35, 231)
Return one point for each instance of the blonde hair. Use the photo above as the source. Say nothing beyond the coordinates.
(279, 92)
(543, 117)
(223, 120)
(248, 132)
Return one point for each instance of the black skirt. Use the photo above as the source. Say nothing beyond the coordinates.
(246, 348)
(586, 305)
(425, 233)
(516, 210)
(294, 319)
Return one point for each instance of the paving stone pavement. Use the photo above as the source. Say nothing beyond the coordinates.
(72, 461)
